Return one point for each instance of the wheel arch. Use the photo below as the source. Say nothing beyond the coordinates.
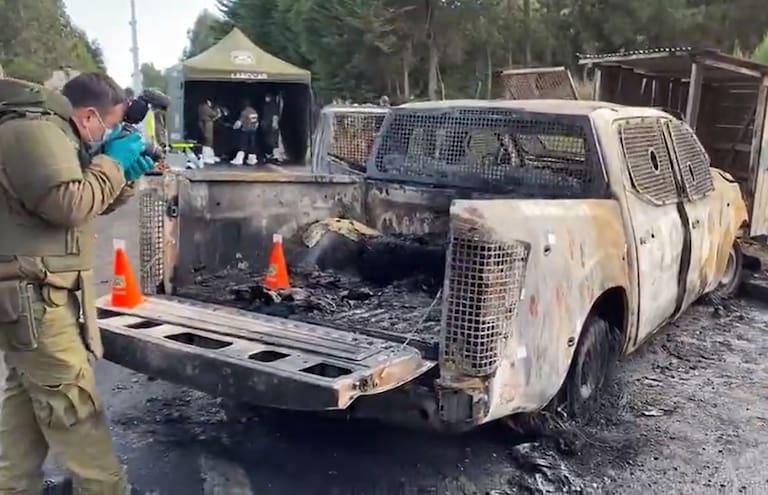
(612, 306)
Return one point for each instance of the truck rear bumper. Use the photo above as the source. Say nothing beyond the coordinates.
(254, 358)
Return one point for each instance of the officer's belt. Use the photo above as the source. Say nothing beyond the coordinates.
(24, 268)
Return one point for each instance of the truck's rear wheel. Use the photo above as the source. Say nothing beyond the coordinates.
(734, 273)
(591, 367)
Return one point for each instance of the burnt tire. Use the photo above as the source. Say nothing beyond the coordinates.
(734, 273)
(591, 368)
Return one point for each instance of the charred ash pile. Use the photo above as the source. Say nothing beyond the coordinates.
(389, 286)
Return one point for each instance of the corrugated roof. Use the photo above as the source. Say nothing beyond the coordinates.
(591, 57)
(676, 63)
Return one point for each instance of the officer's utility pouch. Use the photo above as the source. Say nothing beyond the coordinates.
(18, 326)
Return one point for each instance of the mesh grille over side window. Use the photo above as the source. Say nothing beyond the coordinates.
(353, 136)
(555, 84)
(490, 149)
(648, 160)
(694, 161)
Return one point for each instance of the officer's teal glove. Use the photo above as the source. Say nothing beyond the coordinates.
(125, 150)
(141, 165)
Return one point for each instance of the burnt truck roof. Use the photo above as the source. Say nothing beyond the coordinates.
(562, 107)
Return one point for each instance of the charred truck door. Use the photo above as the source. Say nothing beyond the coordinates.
(700, 218)
(659, 233)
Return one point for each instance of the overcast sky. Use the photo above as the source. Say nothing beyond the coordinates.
(162, 27)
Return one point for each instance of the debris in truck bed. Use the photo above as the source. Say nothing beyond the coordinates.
(403, 309)
(382, 285)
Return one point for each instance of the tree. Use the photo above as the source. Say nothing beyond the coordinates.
(153, 78)
(761, 52)
(38, 37)
(97, 54)
(361, 49)
(204, 34)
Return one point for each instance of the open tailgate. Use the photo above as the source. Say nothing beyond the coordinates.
(254, 358)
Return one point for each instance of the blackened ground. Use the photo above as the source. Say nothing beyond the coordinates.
(688, 413)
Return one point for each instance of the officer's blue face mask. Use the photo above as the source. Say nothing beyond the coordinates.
(94, 145)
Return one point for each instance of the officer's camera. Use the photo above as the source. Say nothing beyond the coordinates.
(135, 113)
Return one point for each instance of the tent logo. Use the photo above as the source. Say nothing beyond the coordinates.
(241, 57)
(249, 75)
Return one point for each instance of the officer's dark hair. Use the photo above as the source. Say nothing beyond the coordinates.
(92, 89)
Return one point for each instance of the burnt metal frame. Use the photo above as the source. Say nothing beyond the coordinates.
(597, 178)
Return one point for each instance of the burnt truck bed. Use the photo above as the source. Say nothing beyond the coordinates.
(401, 311)
(238, 354)
(362, 318)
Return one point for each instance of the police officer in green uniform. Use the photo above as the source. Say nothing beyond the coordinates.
(62, 163)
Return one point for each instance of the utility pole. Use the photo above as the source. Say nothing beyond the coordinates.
(136, 78)
(527, 15)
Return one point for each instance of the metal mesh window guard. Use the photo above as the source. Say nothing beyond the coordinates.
(544, 83)
(650, 166)
(493, 149)
(353, 137)
(693, 160)
(485, 281)
(151, 235)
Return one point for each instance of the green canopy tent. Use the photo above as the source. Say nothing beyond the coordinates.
(233, 70)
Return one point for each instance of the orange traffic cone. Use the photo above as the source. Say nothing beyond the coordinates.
(277, 273)
(125, 290)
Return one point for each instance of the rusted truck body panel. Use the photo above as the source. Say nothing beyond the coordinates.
(588, 208)
(576, 253)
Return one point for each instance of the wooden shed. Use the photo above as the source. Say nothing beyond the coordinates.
(722, 97)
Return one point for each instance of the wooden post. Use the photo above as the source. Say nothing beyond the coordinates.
(597, 92)
(694, 95)
(757, 196)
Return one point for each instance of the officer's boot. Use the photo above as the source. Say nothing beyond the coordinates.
(60, 486)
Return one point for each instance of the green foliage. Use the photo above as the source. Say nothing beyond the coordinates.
(361, 49)
(38, 37)
(25, 68)
(153, 77)
(761, 53)
(204, 34)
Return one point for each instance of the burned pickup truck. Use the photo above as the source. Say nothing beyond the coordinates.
(495, 258)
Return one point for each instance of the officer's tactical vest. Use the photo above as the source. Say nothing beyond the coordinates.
(23, 234)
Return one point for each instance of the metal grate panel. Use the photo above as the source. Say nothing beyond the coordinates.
(694, 161)
(484, 284)
(650, 166)
(151, 236)
(353, 137)
(488, 148)
(546, 83)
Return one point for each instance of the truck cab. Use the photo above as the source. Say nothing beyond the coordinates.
(494, 258)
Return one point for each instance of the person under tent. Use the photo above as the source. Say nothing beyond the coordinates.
(269, 127)
(248, 125)
(206, 115)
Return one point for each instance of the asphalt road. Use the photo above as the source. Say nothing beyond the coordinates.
(176, 441)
